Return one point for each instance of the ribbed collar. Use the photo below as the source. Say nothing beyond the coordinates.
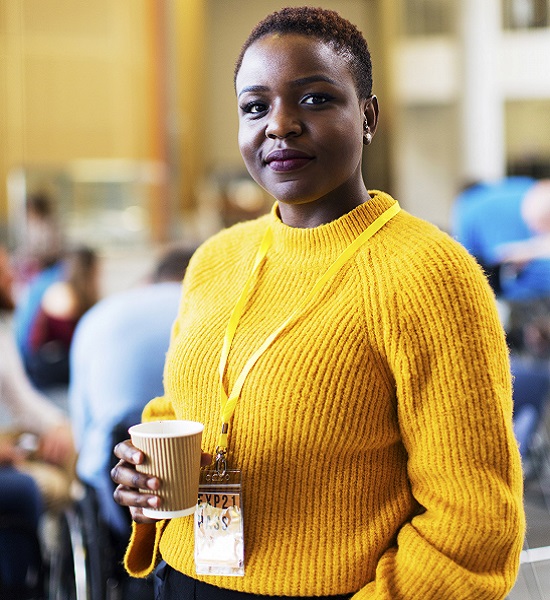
(328, 240)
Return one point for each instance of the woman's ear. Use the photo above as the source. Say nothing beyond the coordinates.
(370, 112)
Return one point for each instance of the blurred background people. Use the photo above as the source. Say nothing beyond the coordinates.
(117, 361)
(506, 225)
(535, 213)
(36, 458)
(48, 314)
(487, 216)
(42, 243)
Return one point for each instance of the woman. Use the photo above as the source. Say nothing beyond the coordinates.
(373, 429)
(28, 486)
(62, 305)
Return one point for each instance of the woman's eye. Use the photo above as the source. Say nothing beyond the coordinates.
(254, 107)
(316, 99)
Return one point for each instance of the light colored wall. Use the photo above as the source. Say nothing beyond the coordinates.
(427, 169)
(78, 81)
(524, 71)
(528, 129)
(186, 120)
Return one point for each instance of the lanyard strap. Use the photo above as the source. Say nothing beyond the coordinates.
(229, 402)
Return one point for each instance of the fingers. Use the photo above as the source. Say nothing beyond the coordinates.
(132, 486)
(125, 475)
(129, 490)
(134, 499)
(128, 452)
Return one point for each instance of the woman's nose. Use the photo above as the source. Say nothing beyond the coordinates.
(282, 123)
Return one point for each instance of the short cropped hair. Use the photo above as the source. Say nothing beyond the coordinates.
(325, 25)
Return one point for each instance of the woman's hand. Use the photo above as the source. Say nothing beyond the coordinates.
(56, 445)
(130, 482)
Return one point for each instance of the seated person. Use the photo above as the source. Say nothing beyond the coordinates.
(35, 475)
(488, 216)
(68, 294)
(506, 226)
(28, 304)
(503, 224)
(117, 361)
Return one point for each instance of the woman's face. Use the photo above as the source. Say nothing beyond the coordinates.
(301, 121)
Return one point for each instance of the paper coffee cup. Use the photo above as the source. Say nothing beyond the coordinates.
(173, 454)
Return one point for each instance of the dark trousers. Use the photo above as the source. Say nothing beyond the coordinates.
(20, 510)
(173, 585)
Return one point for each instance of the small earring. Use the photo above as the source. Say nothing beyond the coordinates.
(368, 134)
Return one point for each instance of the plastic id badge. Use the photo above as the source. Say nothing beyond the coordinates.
(219, 539)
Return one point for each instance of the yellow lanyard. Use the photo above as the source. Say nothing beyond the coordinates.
(229, 402)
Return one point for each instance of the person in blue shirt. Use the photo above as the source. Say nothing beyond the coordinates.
(28, 305)
(117, 361)
(505, 225)
(486, 218)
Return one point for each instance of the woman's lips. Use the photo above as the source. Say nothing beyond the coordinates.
(287, 160)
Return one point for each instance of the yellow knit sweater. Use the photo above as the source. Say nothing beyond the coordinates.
(374, 435)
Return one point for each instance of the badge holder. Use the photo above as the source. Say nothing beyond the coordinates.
(219, 538)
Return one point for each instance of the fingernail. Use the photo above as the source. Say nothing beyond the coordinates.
(152, 483)
(136, 456)
(153, 502)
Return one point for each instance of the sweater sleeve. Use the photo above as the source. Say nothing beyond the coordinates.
(454, 399)
(142, 554)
